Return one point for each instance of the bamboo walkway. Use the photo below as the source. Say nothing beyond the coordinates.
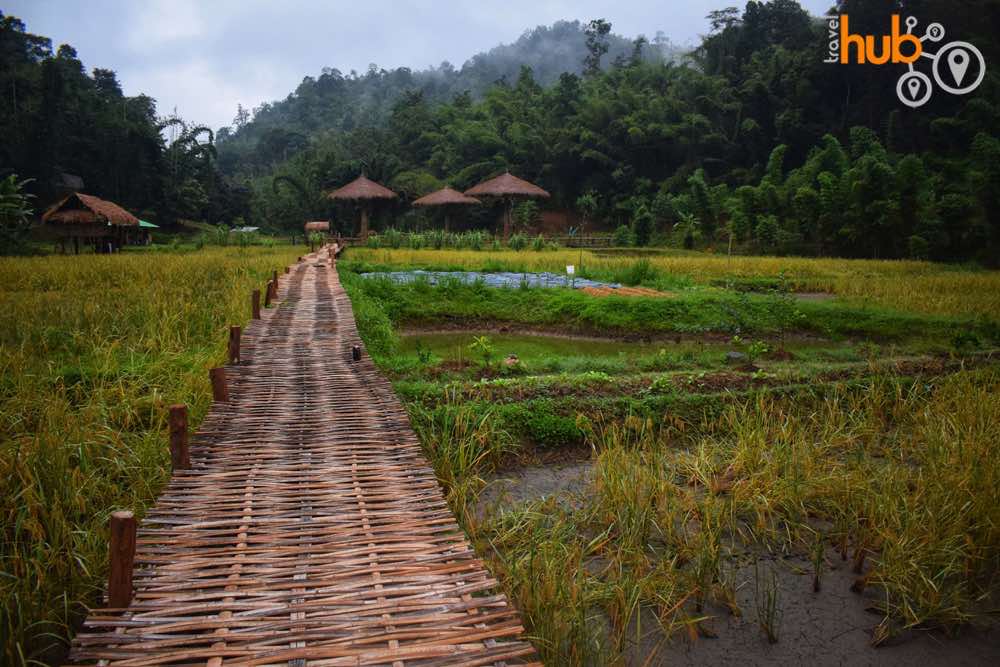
(309, 529)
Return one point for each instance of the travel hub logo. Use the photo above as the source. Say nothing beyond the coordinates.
(957, 67)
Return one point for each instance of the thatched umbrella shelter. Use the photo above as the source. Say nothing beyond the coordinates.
(318, 227)
(79, 216)
(448, 199)
(364, 191)
(508, 188)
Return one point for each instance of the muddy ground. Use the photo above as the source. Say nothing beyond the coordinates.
(832, 627)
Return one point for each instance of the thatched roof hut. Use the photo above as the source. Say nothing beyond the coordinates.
(447, 199)
(508, 187)
(364, 190)
(78, 216)
(81, 209)
(317, 226)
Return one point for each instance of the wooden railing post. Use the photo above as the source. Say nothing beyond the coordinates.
(235, 332)
(268, 293)
(180, 458)
(255, 304)
(121, 553)
(274, 279)
(220, 391)
(356, 353)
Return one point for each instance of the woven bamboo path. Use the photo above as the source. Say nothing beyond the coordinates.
(309, 530)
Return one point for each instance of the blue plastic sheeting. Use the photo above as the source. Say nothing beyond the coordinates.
(492, 279)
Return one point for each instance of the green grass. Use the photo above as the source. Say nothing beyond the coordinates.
(876, 437)
(92, 350)
(694, 313)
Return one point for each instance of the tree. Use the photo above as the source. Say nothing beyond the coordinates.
(642, 225)
(15, 214)
(597, 45)
(587, 204)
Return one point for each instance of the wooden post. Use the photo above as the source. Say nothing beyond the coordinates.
(274, 278)
(234, 344)
(180, 459)
(220, 391)
(121, 553)
(356, 353)
(364, 223)
(288, 269)
(268, 293)
(255, 304)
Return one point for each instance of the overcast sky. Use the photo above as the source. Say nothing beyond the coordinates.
(204, 57)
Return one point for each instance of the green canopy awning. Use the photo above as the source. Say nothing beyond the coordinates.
(143, 223)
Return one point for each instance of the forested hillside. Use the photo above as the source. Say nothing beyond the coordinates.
(64, 128)
(756, 139)
(750, 138)
(335, 101)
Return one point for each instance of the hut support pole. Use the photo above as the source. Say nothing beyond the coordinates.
(364, 222)
(122, 557)
(508, 206)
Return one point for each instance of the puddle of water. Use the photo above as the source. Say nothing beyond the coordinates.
(498, 279)
(537, 482)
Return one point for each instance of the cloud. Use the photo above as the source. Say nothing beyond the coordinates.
(158, 24)
(202, 92)
(205, 57)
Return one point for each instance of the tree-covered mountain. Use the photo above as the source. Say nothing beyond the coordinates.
(750, 139)
(757, 140)
(335, 101)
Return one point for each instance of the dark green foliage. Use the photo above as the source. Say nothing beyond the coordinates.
(541, 423)
(757, 142)
(623, 237)
(642, 225)
(15, 214)
(60, 126)
(762, 143)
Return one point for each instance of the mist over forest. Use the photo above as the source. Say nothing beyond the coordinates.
(747, 138)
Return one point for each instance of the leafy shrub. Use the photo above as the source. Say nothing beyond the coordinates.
(636, 273)
(622, 237)
(642, 225)
(518, 242)
(549, 430)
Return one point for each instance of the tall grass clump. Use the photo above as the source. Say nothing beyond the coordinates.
(92, 349)
(463, 443)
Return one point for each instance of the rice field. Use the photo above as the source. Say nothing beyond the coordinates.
(92, 349)
(712, 495)
(914, 286)
(646, 502)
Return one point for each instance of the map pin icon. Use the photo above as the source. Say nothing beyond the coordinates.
(914, 86)
(958, 63)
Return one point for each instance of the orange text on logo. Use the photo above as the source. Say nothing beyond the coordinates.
(865, 46)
